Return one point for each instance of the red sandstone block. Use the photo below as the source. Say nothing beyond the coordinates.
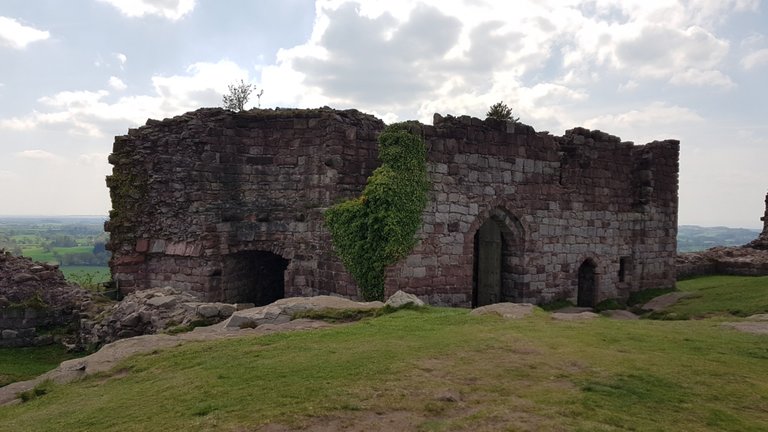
(142, 245)
(129, 259)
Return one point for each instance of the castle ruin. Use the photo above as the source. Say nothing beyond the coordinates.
(230, 206)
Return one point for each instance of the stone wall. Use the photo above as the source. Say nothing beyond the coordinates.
(193, 193)
(559, 201)
(34, 297)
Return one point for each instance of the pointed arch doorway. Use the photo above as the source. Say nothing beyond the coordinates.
(497, 247)
(488, 264)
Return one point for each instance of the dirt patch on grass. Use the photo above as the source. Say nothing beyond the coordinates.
(353, 422)
(755, 327)
(664, 301)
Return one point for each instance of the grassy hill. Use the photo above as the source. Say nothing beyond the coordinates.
(435, 370)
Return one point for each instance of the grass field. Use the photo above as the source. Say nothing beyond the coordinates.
(18, 364)
(39, 254)
(721, 296)
(79, 273)
(435, 370)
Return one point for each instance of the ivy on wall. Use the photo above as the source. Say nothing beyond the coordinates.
(377, 228)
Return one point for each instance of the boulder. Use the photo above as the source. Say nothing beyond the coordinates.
(402, 298)
(208, 310)
(505, 310)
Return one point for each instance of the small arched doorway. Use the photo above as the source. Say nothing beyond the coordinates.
(488, 264)
(587, 285)
(256, 277)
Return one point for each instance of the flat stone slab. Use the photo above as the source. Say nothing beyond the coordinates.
(283, 310)
(580, 316)
(664, 301)
(619, 314)
(505, 310)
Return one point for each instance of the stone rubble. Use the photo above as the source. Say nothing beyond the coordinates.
(152, 311)
(35, 296)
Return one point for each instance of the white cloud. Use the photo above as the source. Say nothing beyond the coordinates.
(7, 175)
(18, 36)
(92, 159)
(38, 155)
(170, 9)
(92, 113)
(386, 57)
(755, 59)
(122, 58)
(628, 86)
(116, 83)
(702, 78)
(658, 120)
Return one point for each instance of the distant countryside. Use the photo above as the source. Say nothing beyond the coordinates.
(76, 243)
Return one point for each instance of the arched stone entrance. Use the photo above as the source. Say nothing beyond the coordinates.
(256, 277)
(497, 260)
(488, 263)
(587, 286)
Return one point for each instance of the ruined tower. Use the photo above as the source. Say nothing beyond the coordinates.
(230, 205)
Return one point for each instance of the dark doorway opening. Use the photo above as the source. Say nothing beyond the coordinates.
(587, 290)
(256, 277)
(487, 280)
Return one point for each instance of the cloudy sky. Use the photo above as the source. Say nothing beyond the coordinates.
(74, 74)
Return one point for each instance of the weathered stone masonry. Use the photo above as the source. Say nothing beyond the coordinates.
(229, 205)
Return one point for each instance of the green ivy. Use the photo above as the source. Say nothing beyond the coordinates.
(377, 229)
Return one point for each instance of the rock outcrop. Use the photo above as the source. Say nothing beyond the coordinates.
(152, 311)
(34, 297)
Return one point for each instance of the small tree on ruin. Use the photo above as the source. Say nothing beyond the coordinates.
(500, 111)
(238, 96)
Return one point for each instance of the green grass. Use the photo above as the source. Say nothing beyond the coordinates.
(721, 295)
(531, 374)
(19, 364)
(38, 254)
(536, 373)
(79, 273)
